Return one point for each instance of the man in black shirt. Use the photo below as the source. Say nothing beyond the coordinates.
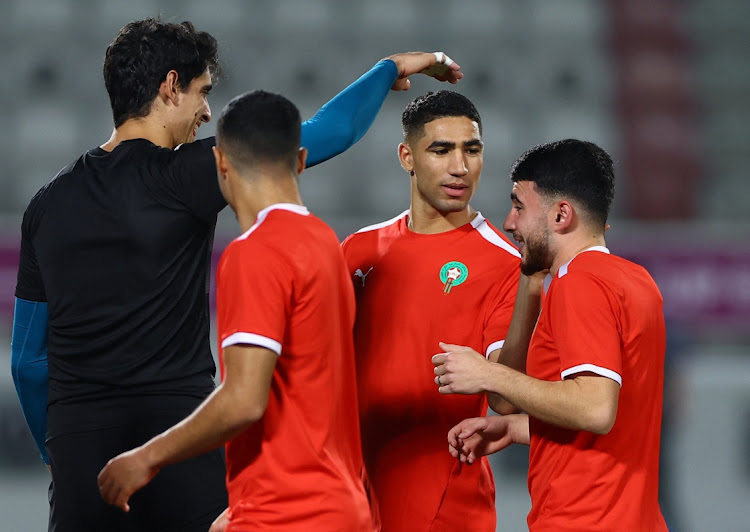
(114, 274)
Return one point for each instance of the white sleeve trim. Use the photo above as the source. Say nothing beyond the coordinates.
(493, 346)
(253, 339)
(604, 372)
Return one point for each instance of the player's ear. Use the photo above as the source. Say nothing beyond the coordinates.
(405, 157)
(221, 162)
(563, 214)
(169, 87)
(301, 160)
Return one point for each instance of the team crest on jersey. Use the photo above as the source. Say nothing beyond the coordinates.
(452, 274)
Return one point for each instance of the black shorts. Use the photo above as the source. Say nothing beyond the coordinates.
(183, 497)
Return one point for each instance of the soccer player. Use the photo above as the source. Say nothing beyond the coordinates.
(593, 394)
(439, 270)
(285, 315)
(113, 278)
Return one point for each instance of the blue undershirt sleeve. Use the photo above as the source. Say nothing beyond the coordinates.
(28, 364)
(341, 122)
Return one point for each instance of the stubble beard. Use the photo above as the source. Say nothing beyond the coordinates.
(538, 255)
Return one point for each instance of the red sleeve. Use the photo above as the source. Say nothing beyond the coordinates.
(585, 325)
(254, 296)
(500, 311)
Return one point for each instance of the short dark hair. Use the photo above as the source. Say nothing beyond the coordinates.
(259, 127)
(432, 106)
(570, 168)
(142, 54)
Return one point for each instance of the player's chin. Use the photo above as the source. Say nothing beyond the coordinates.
(453, 205)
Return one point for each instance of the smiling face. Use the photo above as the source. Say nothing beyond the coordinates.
(445, 164)
(528, 223)
(193, 109)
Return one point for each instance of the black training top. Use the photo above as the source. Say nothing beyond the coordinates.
(118, 244)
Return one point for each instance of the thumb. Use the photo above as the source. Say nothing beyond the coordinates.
(402, 84)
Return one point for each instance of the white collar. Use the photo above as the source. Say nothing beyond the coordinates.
(564, 268)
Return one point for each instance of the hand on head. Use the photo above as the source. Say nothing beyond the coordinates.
(437, 65)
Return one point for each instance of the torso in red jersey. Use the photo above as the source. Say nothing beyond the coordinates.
(283, 285)
(414, 290)
(601, 314)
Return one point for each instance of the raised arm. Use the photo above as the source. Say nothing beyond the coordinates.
(341, 122)
(28, 364)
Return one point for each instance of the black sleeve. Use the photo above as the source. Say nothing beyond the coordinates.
(29, 285)
(191, 178)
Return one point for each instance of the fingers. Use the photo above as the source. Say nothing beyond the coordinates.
(437, 65)
(112, 494)
(401, 85)
(469, 427)
(451, 347)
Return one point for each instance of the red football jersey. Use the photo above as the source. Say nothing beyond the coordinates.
(601, 314)
(283, 285)
(414, 290)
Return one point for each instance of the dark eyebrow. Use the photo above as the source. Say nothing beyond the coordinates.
(513, 197)
(442, 144)
(474, 142)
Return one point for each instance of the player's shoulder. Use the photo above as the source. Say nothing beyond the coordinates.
(62, 178)
(599, 262)
(494, 238)
(195, 148)
(376, 230)
(596, 266)
(383, 226)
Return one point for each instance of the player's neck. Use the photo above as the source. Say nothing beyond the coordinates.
(141, 128)
(260, 193)
(425, 219)
(573, 246)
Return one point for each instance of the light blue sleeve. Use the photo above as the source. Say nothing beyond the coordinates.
(341, 122)
(28, 364)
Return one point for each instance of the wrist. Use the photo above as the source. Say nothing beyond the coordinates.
(150, 454)
(493, 378)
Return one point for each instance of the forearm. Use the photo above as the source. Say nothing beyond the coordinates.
(500, 405)
(345, 119)
(567, 403)
(29, 366)
(222, 416)
(525, 314)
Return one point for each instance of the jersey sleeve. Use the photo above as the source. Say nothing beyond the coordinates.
(29, 284)
(29, 368)
(191, 179)
(341, 122)
(500, 311)
(255, 286)
(585, 326)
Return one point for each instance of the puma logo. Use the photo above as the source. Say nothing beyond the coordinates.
(361, 275)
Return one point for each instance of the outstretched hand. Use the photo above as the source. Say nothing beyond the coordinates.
(124, 475)
(437, 65)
